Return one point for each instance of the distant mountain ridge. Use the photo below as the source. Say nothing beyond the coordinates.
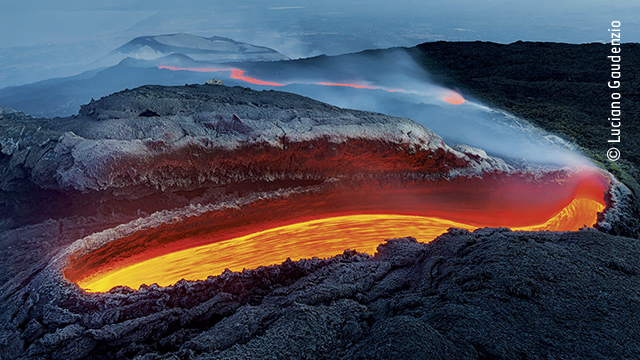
(129, 66)
(213, 49)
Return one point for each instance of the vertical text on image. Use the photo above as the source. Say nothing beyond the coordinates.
(613, 154)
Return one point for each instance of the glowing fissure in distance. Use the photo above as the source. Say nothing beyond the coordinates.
(239, 75)
(235, 74)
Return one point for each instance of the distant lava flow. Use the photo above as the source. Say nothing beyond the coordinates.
(453, 97)
(336, 217)
(359, 86)
(239, 75)
(235, 74)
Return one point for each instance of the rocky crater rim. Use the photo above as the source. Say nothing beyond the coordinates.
(201, 135)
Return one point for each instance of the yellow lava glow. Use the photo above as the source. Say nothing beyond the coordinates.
(579, 213)
(318, 238)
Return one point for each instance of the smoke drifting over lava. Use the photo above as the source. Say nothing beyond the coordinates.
(394, 84)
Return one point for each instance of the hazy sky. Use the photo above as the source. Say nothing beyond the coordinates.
(48, 38)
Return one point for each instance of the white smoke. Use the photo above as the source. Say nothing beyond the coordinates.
(471, 123)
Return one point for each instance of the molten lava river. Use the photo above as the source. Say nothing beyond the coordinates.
(338, 215)
(325, 223)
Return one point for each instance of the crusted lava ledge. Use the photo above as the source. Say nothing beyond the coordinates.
(183, 138)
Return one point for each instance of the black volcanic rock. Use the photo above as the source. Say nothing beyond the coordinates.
(492, 293)
(148, 113)
(559, 87)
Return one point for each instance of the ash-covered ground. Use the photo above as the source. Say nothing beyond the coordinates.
(490, 294)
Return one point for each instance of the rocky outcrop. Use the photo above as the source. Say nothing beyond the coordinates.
(196, 131)
(623, 217)
(198, 137)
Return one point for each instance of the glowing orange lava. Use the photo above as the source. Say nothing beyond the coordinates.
(324, 224)
(320, 238)
(239, 75)
(579, 213)
(378, 190)
(235, 74)
(317, 238)
(453, 97)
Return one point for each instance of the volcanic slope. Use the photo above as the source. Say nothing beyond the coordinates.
(135, 162)
(561, 88)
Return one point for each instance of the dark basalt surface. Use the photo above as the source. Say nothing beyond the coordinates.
(490, 294)
(559, 87)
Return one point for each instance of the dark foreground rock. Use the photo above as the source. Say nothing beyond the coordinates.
(490, 294)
